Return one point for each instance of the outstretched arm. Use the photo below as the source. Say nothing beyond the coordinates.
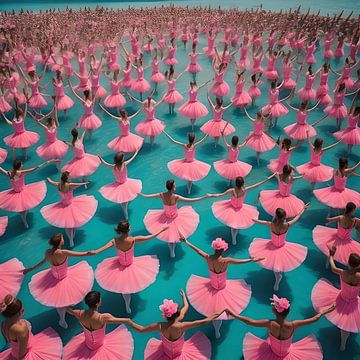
(42, 262)
(193, 324)
(156, 195)
(74, 92)
(201, 140)
(249, 321)
(299, 323)
(242, 261)
(139, 239)
(199, 251)
(127, 162)
(144, 329)
(103, 248)
(70, 253)
(109, 113)
(28, 171)
(298, 216)
(333, 267)
(260, 182)
(172, 139)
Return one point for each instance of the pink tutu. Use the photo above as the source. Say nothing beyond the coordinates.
(4, 105)
(130, 279)
(322, 90)
(44, 345)
(337, 197)
(325, 237)
(157, 77)
(114, 100)
(346, 315)
(189, 171)
(89, 122)
(170, 61)
(117, 344)
(140, 86)
(288, 84)
(315, 173)
(193, 110)
(234, 217)
(209, 295)
(307, 94)
(325, 100)
(271, 74)
(152, 127)
(276, 110)
(11, 277)
(198, 347)
(231, 170)
(70, 215)
(285, 257)
(336, 111)
(22, 140)
(69, 286)
(172, 97)
(82, 167)
(181, 222)
(3, 155)
(260, 143)
(351, 134)
(193, 68)
(126, 143)
(255, 348)
(37, 101)
(64, 102)
(299, 131)
(52, 150)
(272, 199)
(121, 192)
(220, 89)
(254, 91)
(28, 197)
(3, 224)
(242, 99)
(215, 127)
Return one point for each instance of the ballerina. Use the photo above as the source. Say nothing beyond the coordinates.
(171, 51)
(231, 167)
(351, 134)
(183, 220)
(224, 293)
(275, 107)
(115, 99)
(301, 129)
(254, 91)
(322, 92)
(21, 138)
(62, 101)
(241, 98)
(53, 148)
(17, 331)
(307, 93)
(61, 285)
(279, 345)
(140, 85)
(172, 343)
(126, 72)
(193, 67)
(156, 76)
(21, 198)
(259, 140)
(93, 343)
(125, 273)
(313, 171)
(127, 142)
(172, 96)
(189, 168)
(337, 195)
(279, 255)
(325, 237)
(220, 88)
(273, 199)
(95, 73)
(233, 212)
(276, 165)
(271, 59)
(11, 276)
(88, 121)
(151, 126)
(287, 68)
(338, 109)
(210, 48)
(71, 212)
(217, 127)
(193, 109)
(347, 310)
(83, 164)
(124, 189)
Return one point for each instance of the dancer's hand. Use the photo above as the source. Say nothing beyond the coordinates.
(328, 310)
(25, 271)
(257, 259)
(164, 228)
(332, 250)
(182, 239)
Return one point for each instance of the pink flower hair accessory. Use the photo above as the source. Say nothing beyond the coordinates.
(219, 244)
(168, 308)
(280, 304)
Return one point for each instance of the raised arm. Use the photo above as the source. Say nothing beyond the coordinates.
(196, 249)
(260, 182)
(249, 321)
(74, 92)
(201, 140)
(247, 114)
(333, 267)
(298, 216)
(133, 115)
(108, 245)
(28, 171)
(6, 119)
(185, 308)
(52, 182)
(109, 113)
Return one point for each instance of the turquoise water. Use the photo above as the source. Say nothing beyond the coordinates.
(150, 166)
(325, 6)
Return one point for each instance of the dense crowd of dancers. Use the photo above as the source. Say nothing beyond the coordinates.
(84, 50)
